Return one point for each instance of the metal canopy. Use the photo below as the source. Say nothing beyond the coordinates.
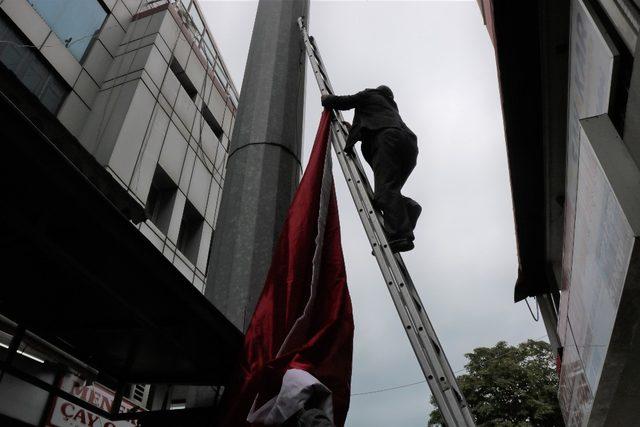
(79, 274)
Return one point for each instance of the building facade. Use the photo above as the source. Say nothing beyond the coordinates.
(147, 94)
(135, 98)
(570, 91)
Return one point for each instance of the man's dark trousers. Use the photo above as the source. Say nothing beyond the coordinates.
(391, 153)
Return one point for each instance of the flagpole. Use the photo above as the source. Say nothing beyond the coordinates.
(263, 167)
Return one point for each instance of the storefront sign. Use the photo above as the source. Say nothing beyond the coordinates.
(67, 414)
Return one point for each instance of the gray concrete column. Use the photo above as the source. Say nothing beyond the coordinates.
(263, 168)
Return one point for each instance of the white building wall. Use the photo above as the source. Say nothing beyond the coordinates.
(128, 109)
(143, 118)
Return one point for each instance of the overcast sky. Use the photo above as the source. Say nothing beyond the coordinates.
(438, 59)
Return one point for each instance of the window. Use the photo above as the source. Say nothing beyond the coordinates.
(196, 19)
(206, 267)
(138, 393)
(159, 204)
(75, 22)
(221, 75)
(178, 71)
(234, 98)
(190, 232)
(177, 404)
(209, 50)
(32, 71)
(211, 121)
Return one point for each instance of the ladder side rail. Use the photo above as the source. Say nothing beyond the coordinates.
(324, 83)
(454, 396)
(399, 269)
(369, 215)
(389, 264)
(422, 346)
(396, 264)
(319, 60)
(420, 311)
(404, 286)
(322, 78)
(448, 374)
(354, 175)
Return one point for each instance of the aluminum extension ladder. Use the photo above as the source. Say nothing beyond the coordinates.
(422, 336)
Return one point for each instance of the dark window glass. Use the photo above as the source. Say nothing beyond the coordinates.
(29, 67)
(206, 269)
(75, 22)
(184, 80)
(190, 232)
(35, 75)
(11, 48)
(53, 94)
(12, 56)
(160, 200)
(211, 121)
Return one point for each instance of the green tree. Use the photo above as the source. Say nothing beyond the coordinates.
(510, 386)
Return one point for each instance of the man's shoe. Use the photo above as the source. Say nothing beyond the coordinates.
(413, 210)
(401, 245)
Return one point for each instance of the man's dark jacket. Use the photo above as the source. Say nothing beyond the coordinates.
(375, 109)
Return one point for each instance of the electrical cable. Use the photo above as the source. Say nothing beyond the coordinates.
(388, 388)
(424, 381)
(93, 35)
(536, 317)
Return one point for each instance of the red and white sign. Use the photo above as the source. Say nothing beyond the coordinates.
(67, 414)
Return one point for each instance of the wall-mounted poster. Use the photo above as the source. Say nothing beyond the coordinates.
(604, 241)
(592, 61)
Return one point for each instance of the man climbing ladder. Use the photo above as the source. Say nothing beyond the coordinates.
(433, 362)
(391, 149)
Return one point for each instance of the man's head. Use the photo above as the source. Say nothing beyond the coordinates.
(386, 91)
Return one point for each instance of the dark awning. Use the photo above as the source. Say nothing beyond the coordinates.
(530, 40)
(77, 272)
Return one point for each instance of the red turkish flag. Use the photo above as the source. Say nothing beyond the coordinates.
(300, 339)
